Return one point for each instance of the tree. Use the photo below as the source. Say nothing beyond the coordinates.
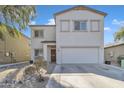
(15, 17)
(119, 35)
(11, 31)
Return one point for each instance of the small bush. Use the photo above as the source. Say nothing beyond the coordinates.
(119, 59)
(41, 67)
(30, 70)
(40, 63)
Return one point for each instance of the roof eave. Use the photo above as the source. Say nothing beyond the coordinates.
(41, 25)
(99, 12)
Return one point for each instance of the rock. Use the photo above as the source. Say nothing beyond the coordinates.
(20, 82)
(29, 70)
(29, 83)
(28, 77)
(33, 79)
(6, 81)
(13, 81)
(40, 79)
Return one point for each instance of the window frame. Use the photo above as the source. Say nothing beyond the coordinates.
(39, 34)
(68, 25)
(98, 22)
(80, 30)
(39, 52)
(42, 33)
(35, 33)
(36, 53)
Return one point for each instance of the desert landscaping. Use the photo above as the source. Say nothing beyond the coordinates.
(22, 76)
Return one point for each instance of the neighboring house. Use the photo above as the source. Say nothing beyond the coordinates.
(77, 37)
(113, 51)
(18, 46)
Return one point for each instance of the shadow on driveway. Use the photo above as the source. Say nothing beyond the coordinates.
(90, 68)
(86, 76)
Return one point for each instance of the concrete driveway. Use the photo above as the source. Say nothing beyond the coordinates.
(86, 76)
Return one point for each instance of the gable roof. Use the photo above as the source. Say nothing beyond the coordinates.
(81, 7)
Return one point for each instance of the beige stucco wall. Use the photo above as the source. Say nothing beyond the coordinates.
(49, 35)
(19, 45)
(116, 51)
(80, 39)
(88, 38)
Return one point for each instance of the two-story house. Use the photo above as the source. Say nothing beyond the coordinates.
(77, 37)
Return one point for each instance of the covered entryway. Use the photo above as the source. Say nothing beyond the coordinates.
(79, 55)
(49, 51)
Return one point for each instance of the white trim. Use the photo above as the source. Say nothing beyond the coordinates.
(49, 54)
(61, 25)
(46, 52)
(80, 46)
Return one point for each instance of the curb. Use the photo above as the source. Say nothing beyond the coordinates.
(114, 67)
(13, 64)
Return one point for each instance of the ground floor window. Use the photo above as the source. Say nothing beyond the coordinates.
(38, 52)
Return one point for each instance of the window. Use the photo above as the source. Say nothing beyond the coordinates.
(95, 25)
(80, 25)
(38, 52)
(38, 33)
(41, 33)
(77, 25)
(65, 25)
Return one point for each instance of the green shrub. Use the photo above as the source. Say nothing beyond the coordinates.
(119, 59)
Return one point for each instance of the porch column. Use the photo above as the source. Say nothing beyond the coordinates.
(45, 51)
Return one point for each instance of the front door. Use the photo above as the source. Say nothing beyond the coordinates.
(53, 55)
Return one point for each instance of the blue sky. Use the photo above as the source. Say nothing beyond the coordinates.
(113, 21)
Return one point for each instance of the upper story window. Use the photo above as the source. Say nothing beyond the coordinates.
(95, 25)
(38, 33)
(80, 25)
(65, 25)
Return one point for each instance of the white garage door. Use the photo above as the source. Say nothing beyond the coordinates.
(79, 55)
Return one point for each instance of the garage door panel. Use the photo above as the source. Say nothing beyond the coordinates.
(79, 55)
